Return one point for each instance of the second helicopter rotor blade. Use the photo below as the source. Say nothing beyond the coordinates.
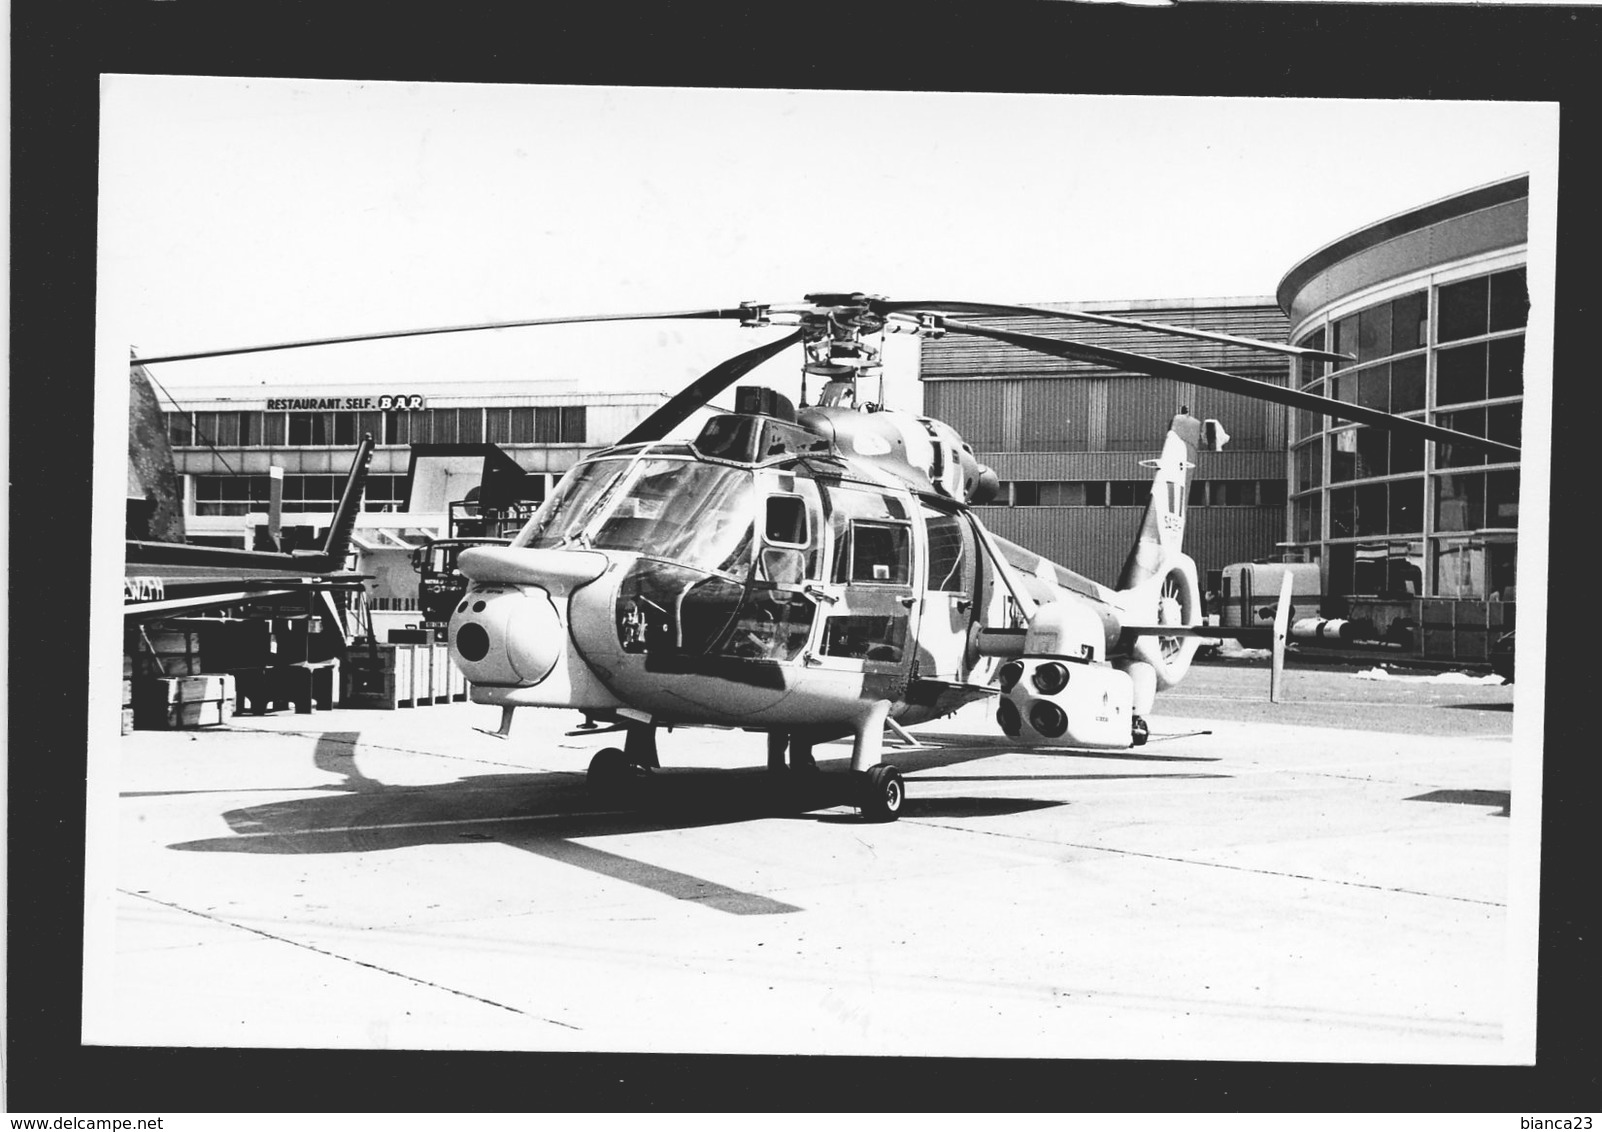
(1231, 383)
(957, 307)
(382, 335)
(679, 407)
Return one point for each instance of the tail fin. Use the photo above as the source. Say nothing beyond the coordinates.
(1163, 529)
(337, 543)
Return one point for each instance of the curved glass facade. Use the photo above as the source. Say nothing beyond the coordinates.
(1392, 517)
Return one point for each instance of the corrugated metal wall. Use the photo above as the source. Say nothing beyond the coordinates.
(1037, 418)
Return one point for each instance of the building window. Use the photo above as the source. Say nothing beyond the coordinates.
(1483, 305)
(310, 429)
(180, 430)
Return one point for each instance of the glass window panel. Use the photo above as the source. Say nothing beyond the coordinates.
(1373, 453)
(442, 426)
(1343, 456)
(1374, 333)
(498, 426)
(180, 429)
(294, 487)
(1448, 455)
(1460, 375)
(1051, 494)
(1506, 377)
(1407, 506)
(1460, 502)
(1410, 328)
(224, 429)
(575, 425)
(370, 424)
(1372, 513)
(274, 429)
(523, 425)
(1096, 493)
(1342, 513)
(344, 428)
(1309, 516)
(1407, 453)
(250, 429)
(1311, 369)
(1510, 300)
(1309, 466)
(1026, 494)
(1346, 336)
(1307, 421)
(470, 426)
(1128, 493)
(1464, 309)
(1198, 493)
(1502, 499)
(1407, 384)
(1345, 387)
(1373, 388)
(1502, 422)
(548, 425)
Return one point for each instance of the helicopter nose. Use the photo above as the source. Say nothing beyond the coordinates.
(511, 636)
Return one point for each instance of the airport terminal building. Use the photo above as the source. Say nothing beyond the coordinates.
(1417, 540)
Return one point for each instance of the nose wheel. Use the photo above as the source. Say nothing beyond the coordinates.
(613, 776)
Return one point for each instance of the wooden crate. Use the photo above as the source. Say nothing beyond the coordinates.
(165, 702)
(381, 676)
(422, 673)
(443, 670)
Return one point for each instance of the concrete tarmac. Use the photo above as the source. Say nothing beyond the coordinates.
(1326, 879)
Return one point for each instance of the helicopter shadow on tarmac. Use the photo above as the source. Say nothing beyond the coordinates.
(546, 812)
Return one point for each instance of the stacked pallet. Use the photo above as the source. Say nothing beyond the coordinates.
(166, 702)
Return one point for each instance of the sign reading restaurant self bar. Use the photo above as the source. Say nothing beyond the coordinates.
(389, 402)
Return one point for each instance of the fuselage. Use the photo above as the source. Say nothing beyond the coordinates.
(769, 574)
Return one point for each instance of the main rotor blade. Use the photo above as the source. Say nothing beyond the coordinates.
(1230, 383)
(734, 312)
(1113, 320)
(678, 409)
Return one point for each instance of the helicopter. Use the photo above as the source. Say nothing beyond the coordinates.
(816, 571)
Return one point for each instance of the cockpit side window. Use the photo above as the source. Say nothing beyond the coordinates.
(786, 521)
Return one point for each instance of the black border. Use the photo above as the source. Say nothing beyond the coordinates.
(1257, 50)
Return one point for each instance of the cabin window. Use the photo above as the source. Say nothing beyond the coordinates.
(948, 570)
(880, 553)
(866, 637)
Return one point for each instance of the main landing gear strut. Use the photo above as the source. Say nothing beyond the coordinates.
(877, 788)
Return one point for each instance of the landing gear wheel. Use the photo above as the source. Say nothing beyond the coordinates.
(882, 793)
(1140, 732)
(611, 774)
